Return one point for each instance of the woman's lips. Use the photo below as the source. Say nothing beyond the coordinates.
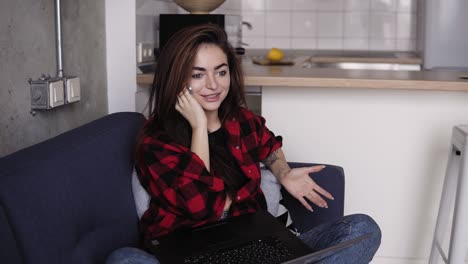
(211, 97)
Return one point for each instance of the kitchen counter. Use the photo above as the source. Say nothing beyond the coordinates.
(297, 76)
(337, 78)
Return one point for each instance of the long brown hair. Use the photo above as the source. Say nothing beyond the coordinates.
(172, 75)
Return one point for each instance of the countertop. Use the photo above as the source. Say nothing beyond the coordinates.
(297, 76)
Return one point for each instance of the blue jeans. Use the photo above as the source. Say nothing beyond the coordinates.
(319, 237)
(349, 227)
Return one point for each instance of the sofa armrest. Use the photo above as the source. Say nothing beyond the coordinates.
(69, 199)
(331, 178)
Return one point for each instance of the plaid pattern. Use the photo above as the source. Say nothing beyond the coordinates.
(183, 193)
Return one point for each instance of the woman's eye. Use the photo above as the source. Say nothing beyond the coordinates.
(222, 73)
(197, 75)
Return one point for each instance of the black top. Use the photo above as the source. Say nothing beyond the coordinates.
(223, 163)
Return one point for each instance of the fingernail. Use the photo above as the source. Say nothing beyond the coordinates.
(323, 166)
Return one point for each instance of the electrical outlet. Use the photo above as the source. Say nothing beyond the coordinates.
(49, 92)
(72, 89)
(145, 52)
(56, 93)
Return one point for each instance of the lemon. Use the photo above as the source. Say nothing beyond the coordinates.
(275, 54)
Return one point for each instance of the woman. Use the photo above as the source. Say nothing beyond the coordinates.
(199, 152)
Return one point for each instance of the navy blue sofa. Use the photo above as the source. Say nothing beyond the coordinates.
(69, 199)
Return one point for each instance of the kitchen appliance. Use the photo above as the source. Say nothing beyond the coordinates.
(171, 23)
(445, 33)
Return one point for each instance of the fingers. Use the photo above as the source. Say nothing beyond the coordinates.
(316, 199)
(323, 192)
(316, 187)
(183, 99)
(305, 189)
(315, 168)
(184, 94)
(182, 103)
(305, 204)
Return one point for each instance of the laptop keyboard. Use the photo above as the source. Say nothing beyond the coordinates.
(264, 251)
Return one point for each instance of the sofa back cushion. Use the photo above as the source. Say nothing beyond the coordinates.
(8, 250)
(69, 199)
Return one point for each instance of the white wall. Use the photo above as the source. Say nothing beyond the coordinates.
(120, 55)
(393, 145)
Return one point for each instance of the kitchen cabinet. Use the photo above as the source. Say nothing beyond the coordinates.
(392, 143)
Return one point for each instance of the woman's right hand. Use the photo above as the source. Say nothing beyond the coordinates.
(191, 110)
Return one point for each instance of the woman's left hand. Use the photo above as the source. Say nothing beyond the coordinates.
(301, 186)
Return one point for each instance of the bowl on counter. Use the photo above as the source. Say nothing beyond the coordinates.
(199, 6)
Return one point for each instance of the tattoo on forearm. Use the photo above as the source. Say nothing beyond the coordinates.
(271, 159)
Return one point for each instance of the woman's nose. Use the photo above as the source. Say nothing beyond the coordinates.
(211, 82)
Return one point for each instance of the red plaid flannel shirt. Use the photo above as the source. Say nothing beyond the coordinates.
(183, 193)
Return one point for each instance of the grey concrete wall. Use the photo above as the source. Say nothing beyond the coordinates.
(27, 49)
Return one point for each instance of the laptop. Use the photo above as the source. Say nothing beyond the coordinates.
(252, 238)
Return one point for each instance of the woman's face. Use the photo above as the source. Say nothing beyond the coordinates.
(210, 78)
